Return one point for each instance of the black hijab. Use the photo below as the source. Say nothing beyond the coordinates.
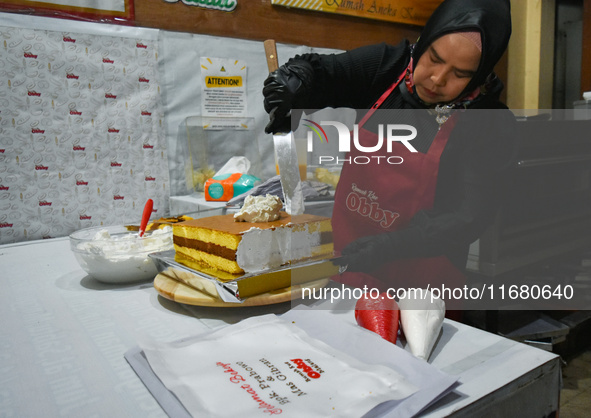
(492, 18)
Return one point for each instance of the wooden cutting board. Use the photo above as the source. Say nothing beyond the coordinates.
(179, 292)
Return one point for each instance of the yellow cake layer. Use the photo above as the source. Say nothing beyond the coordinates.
(210, 260)
(223, 276)
(210, 235)
(323, 249)
(215, 239)
(189, 256)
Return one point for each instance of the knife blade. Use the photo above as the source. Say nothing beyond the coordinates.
(285, 151)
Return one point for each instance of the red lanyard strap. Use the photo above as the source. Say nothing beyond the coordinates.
(383, 97)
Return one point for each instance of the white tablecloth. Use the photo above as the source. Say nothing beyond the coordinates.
(64, 336)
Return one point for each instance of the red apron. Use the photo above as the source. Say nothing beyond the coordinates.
(377, 197)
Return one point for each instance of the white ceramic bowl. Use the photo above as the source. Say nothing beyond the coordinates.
(112, 254)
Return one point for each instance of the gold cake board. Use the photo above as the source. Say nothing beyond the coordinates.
(179, 292)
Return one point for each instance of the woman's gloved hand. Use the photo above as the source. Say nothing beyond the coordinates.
(367, 253)
(285, 89)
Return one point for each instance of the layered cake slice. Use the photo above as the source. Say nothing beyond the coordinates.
(238, 247)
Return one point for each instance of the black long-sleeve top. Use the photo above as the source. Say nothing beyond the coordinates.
(473, 166)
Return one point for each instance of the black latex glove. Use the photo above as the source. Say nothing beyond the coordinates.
(285, 89)
(367, 253)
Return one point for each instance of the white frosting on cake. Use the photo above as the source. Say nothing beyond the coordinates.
(262, 249)
(259, 209)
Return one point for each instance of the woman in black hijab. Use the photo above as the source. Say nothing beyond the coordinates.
(413, 221)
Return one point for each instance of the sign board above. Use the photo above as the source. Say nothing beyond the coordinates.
(412, 12)
(93, 10)
(223, 5)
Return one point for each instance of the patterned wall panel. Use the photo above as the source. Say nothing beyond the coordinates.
(81, 140)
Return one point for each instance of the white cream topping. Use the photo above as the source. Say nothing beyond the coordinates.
(262, 249)
(124, 257)
(259, 209)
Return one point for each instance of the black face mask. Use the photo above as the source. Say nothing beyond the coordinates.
(492, 18)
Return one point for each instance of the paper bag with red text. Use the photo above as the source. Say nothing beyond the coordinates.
(267, 366)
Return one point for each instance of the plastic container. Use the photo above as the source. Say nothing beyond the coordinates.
(211, 142)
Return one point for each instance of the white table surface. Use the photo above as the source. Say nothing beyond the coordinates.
(64, 335)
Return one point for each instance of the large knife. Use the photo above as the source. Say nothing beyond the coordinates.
(285, 151)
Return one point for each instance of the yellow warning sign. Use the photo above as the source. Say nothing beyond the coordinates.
(217, 82)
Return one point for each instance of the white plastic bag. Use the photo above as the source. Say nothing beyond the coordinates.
(235, 165)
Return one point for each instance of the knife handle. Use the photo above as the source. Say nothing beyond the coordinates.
(271, 54)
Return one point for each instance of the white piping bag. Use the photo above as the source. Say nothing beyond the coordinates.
(421, 318)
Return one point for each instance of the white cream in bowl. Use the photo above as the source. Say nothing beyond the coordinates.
(114, 255)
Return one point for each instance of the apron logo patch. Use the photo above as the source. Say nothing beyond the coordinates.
(367, 207)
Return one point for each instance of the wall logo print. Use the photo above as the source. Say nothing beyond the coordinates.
(80, 132)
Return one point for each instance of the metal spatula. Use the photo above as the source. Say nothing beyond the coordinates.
(285, 150)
